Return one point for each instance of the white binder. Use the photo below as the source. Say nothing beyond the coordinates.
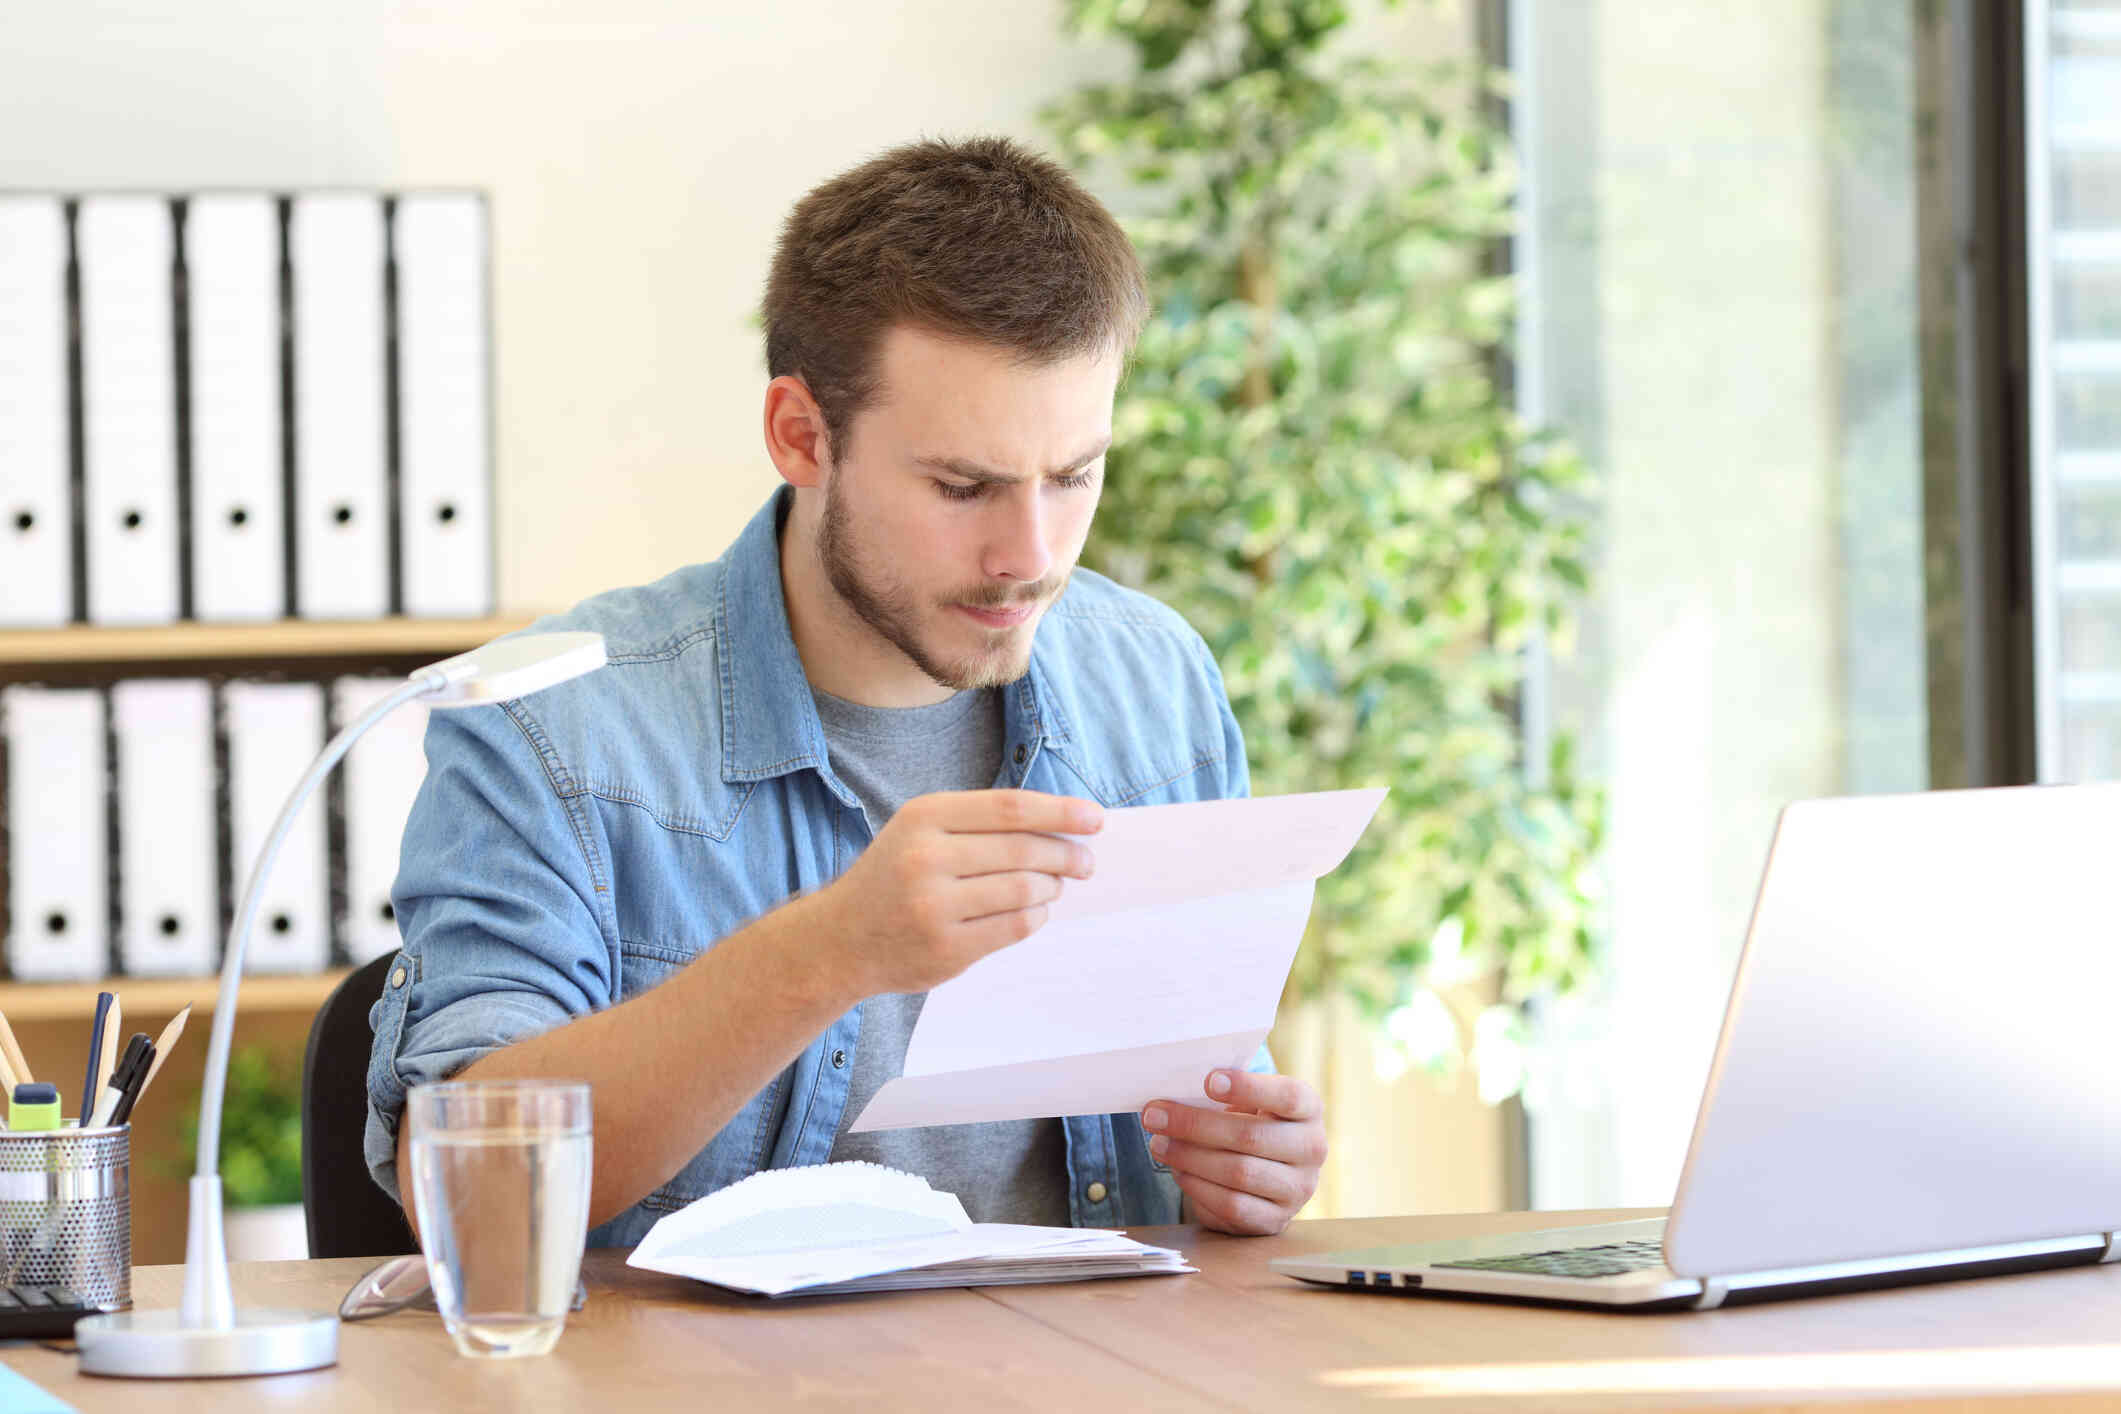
(275, 732)
(444, 500)
(125, 246)
(335, 244)
(232, 282)
(36, 500)
(383, 774)
(58, 904)
(169, 914)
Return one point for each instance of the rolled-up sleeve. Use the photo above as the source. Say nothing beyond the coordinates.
(503, 913)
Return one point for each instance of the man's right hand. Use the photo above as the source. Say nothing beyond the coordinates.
(950, 878)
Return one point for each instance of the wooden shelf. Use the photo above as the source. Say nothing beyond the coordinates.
(260, 642)
(164, 996)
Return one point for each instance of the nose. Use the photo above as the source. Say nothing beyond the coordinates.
(1016, 547)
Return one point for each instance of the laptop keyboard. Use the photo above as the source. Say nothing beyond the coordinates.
(1613, 1260)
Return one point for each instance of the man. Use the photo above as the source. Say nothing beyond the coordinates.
(830, 770)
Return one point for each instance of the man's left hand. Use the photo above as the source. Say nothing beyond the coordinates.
(1250, 1167)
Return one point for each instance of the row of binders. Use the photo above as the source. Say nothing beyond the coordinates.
(244, 405)
(135, 813)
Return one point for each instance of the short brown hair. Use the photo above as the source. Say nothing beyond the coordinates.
(980, 239)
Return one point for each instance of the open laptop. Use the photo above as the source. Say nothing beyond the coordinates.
(1915, 1078)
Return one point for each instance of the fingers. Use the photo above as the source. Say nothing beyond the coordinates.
(973, 855)
(1013, 892)
(1227, 1210)
(1301, 1142)
(1286, 1186)
(1001, 811)
(1281, 1095)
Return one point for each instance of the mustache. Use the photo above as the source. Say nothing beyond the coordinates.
(1002, 596)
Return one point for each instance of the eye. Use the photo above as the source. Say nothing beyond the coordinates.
(1078, 481)
(954, 492)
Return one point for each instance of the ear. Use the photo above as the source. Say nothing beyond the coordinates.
(795, 432)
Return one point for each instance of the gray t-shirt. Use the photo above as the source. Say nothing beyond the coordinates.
(1010, 1172)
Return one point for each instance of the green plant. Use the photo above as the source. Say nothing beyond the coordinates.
(261, 1132)
(1315, 463)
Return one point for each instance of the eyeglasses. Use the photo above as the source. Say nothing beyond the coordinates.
(401, 1284)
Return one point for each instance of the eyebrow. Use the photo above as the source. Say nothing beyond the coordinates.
(973, 471)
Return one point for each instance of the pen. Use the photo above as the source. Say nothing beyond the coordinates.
(113, 1028)
(89, 1088)
(124, 1084)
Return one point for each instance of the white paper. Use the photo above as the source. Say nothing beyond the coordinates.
(1166, 964)
(863, 1227)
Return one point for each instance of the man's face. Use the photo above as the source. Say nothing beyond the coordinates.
(957, 512)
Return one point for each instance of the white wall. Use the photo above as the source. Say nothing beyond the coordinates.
(639, 155)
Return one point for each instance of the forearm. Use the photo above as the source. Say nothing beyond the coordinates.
(669, 1068)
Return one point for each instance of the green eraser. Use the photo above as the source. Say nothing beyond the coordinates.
(34, 1106)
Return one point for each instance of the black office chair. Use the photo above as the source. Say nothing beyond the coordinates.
(348, 1215)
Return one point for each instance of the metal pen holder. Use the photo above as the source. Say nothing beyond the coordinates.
(66, 1211)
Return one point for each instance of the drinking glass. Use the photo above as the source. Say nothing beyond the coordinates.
(500, 1184)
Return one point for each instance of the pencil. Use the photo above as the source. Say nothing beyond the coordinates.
(164, 1044)
(12, 1049)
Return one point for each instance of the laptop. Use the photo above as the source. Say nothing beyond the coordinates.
(1914, 1079)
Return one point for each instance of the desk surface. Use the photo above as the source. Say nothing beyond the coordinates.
(1234, 1337)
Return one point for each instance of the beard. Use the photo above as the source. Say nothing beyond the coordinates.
(888, 607)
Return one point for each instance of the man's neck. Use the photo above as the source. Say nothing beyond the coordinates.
(840, 653)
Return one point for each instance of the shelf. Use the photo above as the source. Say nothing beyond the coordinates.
(163, 996)
(263, 643)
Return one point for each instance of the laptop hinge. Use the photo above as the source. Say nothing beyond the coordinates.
(2113, 1249)
(1713, 1290)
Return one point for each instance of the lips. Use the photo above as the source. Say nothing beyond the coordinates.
(999, 618)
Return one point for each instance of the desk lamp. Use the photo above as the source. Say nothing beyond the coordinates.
(208, 1334)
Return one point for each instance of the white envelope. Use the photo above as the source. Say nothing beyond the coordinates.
(275, 733)
(169, 916)
(232, 280)
(1166, 964)
(36, 499)
(342, 547)
(383, 774)
(445, 470)
(58, 907)
(126, 246)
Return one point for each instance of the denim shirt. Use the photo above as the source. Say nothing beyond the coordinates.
(576, 847)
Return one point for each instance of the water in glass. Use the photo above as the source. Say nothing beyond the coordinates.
(501, 1188)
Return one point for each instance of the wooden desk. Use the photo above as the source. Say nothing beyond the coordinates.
(1235, 1337)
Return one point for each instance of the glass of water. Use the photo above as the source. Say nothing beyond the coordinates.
(500, 1184)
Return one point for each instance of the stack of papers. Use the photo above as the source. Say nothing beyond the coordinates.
(861, 1227)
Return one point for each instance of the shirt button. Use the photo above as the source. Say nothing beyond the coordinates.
(397, 977)
(1021, 753)
(839, 1060)
(1095, 1192)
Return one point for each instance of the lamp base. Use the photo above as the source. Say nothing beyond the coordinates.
(158, 1345)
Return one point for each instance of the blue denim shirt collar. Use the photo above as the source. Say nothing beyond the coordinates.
(770, 724)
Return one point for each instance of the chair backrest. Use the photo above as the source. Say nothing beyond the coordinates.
(349, 1216)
